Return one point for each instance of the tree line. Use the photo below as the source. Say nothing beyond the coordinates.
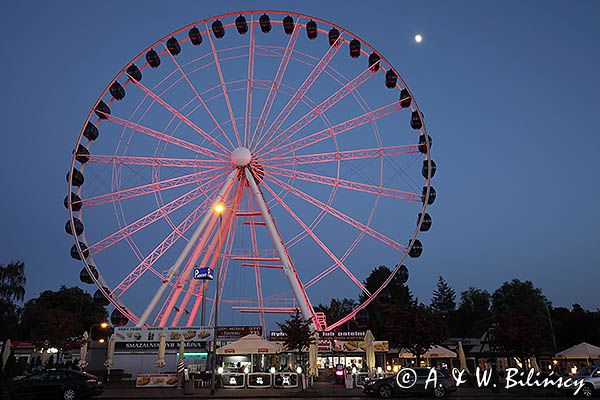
(523, 321)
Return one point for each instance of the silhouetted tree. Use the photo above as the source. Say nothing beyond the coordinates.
(298, 333)
(12, 291)
(517, 335)
(56, 316)
(474, 306)
(443, 301)
(575, 326)
(336, 310)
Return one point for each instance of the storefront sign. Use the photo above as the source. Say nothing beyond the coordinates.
(346, 336)
(361, 346)
(156, 380)
(149, 338)
(236, 332)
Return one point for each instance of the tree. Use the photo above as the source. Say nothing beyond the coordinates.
(396, 294)
(297, 332)
(444, 299)
(12, 291)
(416, 329)
(336, 310)
(575, 326)
(517, 335)
(474, 306)
(57, 316)
(521, 298)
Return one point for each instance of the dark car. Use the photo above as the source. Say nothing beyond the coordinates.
(56, 384)
(413, 381)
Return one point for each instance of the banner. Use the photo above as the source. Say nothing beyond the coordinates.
(360, 346)
(236, 332)
(346, 335)
(132, 338)
(156, 380)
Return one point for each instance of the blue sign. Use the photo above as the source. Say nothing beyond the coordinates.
(204, 273)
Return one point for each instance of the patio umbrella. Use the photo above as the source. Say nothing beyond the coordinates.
(533, 363)
(111, 351)
(5, 353)
(461, 358)
(181, 349)
(370, 350)
(83, 351)
(162, 346)
(313, 353)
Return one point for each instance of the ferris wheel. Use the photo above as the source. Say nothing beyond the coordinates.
(278, 152)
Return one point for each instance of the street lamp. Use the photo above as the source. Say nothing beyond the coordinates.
(219, 209)
(101, 325)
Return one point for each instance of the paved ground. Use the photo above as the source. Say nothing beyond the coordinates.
(320, 390)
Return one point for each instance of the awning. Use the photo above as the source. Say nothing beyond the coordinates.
(249, 344)
(582, 350)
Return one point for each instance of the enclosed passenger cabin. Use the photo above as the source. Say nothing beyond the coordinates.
(405, 98)
(102, 110)
(78, 227)
(85, 277)
(423, 145)
(374, 62)
(195, 36)
(173, 46)
(118, 319)
(425, 169)
(432, 194)
(415, 120)
(333, 35)
(415, 248)
(117, 91)
(390, 79)
(100, 299)
(77, 178)
(153, 58)
(426, 224)
(402, 274)
(82, 154)
(218, 30)
(75, 254)
(265, 23)
(134, 72)
(288, 25)
(311, 29)
(241, 25)
(90, 132)
(75, 202)
(354, 48)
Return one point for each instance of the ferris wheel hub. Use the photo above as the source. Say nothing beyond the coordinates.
(241, 157)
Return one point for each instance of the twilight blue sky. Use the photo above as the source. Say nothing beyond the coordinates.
(510, 91)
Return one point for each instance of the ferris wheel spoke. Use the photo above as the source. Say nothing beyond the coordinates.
(151, 218)
(179, 115)
(164, 137)
(257, 277)
(335, 156)
(206, 222)
(153, 161)
(338, 214)
(304, 87)
(161, 249)
(250, 83)
(318, 241)
(346, 184)
(335, 130)
(150, 188)
(281, 137)
(209, 258)
(266, 110)
(223, 86)
(210, 114)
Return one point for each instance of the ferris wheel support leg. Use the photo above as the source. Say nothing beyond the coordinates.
(188, 247)
(288, 267)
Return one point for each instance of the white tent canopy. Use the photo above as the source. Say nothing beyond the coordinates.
(249, 344)
(582, 350)
(434, 351)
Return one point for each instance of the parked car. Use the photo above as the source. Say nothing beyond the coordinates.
(591, 381)
(56, 384)
(387, 387)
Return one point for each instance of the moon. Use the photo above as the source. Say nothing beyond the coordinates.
(418, 38)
